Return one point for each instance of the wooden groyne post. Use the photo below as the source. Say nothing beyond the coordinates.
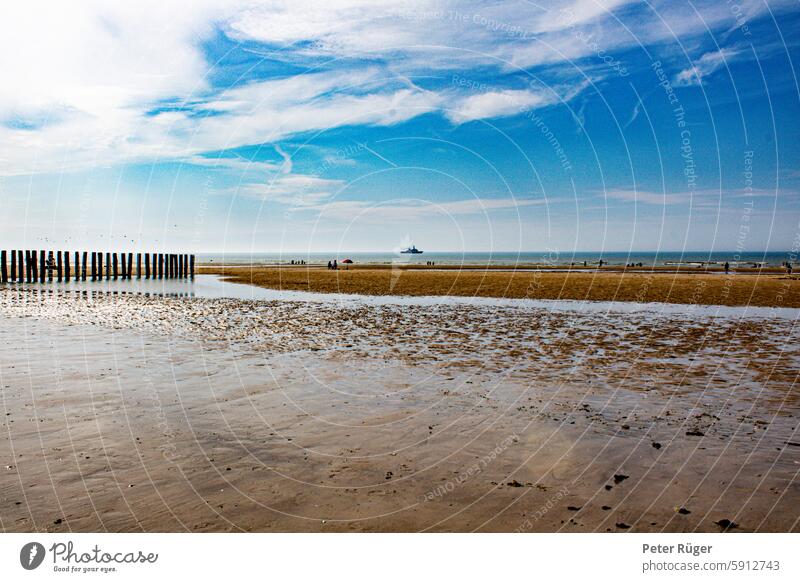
(40, 266)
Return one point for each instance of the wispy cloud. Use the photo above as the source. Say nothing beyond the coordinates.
(295, 190)
(416, 209)
(505, 103)
(704, 197)
(703, 67)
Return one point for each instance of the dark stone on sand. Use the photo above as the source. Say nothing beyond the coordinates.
(58, 521)
(695, 433)
(609, 487)
(573, 508)
(623, 525)
(515, 483)
(726, 524)
(619, 478)
(656, 445)
(606, 507)
(683, 511)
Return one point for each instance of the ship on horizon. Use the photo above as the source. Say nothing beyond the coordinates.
(412, 250)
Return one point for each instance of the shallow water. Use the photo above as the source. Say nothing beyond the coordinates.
(213, 287)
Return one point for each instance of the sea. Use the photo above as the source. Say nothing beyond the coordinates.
(510, 258)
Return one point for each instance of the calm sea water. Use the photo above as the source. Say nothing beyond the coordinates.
(502, 258)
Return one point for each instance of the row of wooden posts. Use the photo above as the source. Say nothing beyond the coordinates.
(41, 266)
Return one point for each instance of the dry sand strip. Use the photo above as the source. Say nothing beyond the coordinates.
(132, 413)
(704, 288)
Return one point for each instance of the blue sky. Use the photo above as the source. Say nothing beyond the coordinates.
(469, 126)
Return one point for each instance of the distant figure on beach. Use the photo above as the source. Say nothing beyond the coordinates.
(335, 265)
(330, 265)
(727, 267)
(788, 267)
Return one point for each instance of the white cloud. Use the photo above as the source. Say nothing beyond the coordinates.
(705, 197)
(498, 104)
(645, 197)
(296, 190)
(702, 67)
(415, 209)
(509, 102)
(261, 112)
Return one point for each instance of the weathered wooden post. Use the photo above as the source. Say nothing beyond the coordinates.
(59, 266)
(115, 265)
(122, 267)
(77, 266)
(160, 265)
(94, 265)
(42, 265)
(66, 266)
(3, 267)
(191, 266)
(130, 265)
(147, 265)
(50, 263)
(138, 265)
(84, 259)
(108, 266)
(99, 266)
(28, 267)
(13, 264)
(20, 268)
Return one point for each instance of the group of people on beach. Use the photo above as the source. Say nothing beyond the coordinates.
(430, 263)
(333, 265)
(301, 262)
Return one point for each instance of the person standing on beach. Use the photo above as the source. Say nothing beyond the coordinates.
(788, 267)
(335, 265)
(727, 267)
(330, 266)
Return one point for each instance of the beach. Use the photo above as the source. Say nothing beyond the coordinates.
(129, 412)
(746, 286)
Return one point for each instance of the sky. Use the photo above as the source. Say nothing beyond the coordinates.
(352, 125)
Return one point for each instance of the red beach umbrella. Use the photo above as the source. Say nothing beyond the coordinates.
(347, 262)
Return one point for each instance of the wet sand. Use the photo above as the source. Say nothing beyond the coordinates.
(134, 413)
(767, 288)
